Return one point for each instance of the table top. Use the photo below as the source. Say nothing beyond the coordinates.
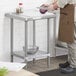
(31, 14)
(21, 73)
(12, 66)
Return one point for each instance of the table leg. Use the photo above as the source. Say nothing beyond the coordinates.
(54, 37)
(34, 37)
(11, 40)
(26, 41)
(48, 34)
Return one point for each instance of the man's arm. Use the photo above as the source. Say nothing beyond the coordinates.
(58, 4)
(51, 5)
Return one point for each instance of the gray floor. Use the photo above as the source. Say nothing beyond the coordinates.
(41, 65)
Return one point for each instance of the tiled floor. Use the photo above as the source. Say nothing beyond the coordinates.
(41, 65)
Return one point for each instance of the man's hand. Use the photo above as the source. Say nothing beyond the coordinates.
(51, 8)
(47, 7)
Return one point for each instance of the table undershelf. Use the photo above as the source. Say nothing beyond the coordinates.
(31, 56)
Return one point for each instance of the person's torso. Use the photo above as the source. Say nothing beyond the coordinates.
(69, 1)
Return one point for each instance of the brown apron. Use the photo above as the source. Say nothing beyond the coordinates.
(66, 24)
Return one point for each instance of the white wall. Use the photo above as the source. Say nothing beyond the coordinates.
(8, 6)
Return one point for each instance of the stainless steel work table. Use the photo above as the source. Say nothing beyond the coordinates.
(35, 15)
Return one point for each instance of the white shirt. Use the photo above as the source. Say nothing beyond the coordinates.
(62, 3)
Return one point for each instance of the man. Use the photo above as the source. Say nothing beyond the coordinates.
(66, 30)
